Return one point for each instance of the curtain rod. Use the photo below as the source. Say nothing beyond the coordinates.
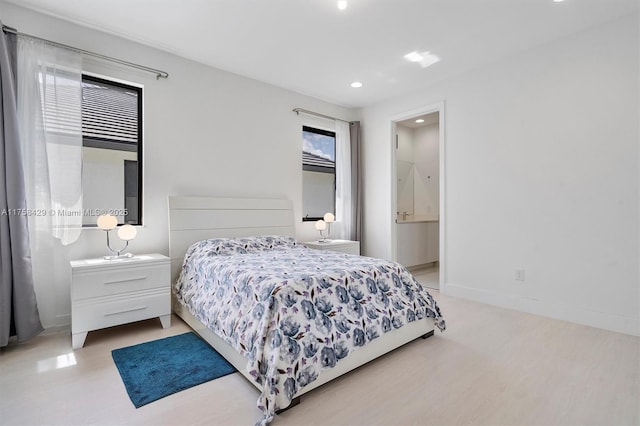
(159, 74)
(317, 114)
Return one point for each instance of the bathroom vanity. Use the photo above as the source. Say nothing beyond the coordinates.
(420, 240)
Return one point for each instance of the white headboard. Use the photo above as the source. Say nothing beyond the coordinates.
(192, 219)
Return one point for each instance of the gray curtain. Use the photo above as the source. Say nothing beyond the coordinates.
(18, 308)
(356, 182)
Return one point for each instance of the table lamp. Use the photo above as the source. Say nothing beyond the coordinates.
(321, 226)
(329, 218)
(126, 233)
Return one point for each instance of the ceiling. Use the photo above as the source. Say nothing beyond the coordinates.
(427, 120)
(312, 47)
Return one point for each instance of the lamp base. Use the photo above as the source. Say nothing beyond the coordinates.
(119, 256)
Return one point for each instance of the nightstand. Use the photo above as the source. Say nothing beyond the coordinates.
(343, 246)
(105, 293)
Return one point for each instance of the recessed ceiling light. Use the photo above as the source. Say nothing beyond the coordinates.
(342, 4)
(558, 1)
(356, 84)
(419, 120)
(413, 57)
(425, 59)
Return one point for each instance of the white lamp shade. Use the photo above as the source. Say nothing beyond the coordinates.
(321, 225)
(107, 222)
(127, 232)
(329, 217)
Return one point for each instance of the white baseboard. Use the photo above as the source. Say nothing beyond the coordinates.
(607, 321)
(60, 322)
(57, 329)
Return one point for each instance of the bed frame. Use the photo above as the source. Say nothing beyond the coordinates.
(192, 219)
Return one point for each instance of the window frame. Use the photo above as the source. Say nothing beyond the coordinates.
(321, 169)
(104, 143)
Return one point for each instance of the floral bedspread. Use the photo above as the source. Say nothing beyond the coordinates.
(293, 311)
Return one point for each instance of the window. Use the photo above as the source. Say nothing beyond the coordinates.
(318, 173)
(112, 150)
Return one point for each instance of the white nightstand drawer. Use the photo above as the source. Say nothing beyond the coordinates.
(348, 249)
(342, 246)
(105, 293)
(116, 310)
(118, 281)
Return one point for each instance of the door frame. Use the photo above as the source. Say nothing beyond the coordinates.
(426, 109)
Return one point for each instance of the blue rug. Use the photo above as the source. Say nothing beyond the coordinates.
(153, 370)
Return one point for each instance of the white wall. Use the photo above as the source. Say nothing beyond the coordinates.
(206, 132)
(541, 173)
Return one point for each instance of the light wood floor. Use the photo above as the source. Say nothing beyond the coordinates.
(429, 277)
(491, 367)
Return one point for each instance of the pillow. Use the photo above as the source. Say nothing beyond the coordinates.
(217, 246)
(267, 242)
(241, 245)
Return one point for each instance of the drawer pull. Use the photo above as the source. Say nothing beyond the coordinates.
(125, 280)
(138, 308)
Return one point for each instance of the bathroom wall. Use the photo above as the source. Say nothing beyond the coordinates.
(426, 176)
(417, 169)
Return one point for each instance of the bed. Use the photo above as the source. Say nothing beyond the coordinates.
(287, 317)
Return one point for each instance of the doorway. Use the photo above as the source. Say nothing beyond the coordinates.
(418, 194)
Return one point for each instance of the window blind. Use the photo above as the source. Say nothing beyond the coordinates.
(109, 112)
